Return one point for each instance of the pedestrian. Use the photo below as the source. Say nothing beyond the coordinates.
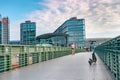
(73, 48)
(94, 57)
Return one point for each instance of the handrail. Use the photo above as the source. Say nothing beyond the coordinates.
(15, 56)
(109, 52)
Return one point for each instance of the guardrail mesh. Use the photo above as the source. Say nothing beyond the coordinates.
(15, 56)
(109, 52)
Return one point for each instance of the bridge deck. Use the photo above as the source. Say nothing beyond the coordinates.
(72, 67)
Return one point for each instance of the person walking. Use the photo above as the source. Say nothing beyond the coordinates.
(73, 48)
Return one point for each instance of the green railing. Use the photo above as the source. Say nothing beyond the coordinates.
(15, 56)
(109, 52)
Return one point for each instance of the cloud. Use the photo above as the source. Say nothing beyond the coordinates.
(100, 15)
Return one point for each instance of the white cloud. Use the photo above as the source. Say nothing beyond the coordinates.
(106, 1)
(100, 15)
(84, 7)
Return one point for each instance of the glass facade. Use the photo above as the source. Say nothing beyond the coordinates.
(75, 28)
(28, 33)
(0, 32)
(52, 39)
(0, 29)
(15, 42)
(5, 31)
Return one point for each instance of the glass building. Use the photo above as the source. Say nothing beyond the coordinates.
(0, 29)
(52, 39)
(75, 28)
(28, 33)
(15, 42)
(5, 30)
(71, 31)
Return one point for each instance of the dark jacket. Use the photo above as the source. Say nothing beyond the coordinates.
(94, 57)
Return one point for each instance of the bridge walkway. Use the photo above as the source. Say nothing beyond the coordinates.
(71, 67)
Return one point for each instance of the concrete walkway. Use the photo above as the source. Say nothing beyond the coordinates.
(72, 67)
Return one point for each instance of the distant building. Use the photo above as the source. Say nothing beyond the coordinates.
(28, 33)
(5, 30)
(71, 31)
(75, 28)
(0, 29)
(52, 39)
(15, 42)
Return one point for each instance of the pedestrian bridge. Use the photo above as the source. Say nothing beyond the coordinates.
(57, 63)
(70, 67)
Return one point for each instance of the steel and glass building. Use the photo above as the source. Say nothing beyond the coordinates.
(75, 28)
(28, 33)
(71, 31)
(52, 39)
(0, 29)
(15, 42)
(5, 30)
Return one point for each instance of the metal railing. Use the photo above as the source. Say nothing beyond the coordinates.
(109, 52)
(15, 56)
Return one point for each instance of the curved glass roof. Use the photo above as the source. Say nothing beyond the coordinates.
(48, 35)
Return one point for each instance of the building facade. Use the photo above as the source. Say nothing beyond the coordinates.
(75, 28)
(28, 33)
(0, 29)
(52, 39)
(5, 30)
(15, 42)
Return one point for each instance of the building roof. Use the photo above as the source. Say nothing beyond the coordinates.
(48, 35)
(72, 18)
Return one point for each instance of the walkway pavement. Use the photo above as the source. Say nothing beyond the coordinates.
(72, 67)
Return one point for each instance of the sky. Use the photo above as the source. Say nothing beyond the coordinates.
(102, 17)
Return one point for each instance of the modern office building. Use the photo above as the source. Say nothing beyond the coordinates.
(15, 42)
(75, 28)
(28, 33)
(52, 39)
(71, 31)
(5, 30)
(0, 29)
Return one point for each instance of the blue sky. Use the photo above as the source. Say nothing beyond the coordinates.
(17, 9)
(102, 17)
